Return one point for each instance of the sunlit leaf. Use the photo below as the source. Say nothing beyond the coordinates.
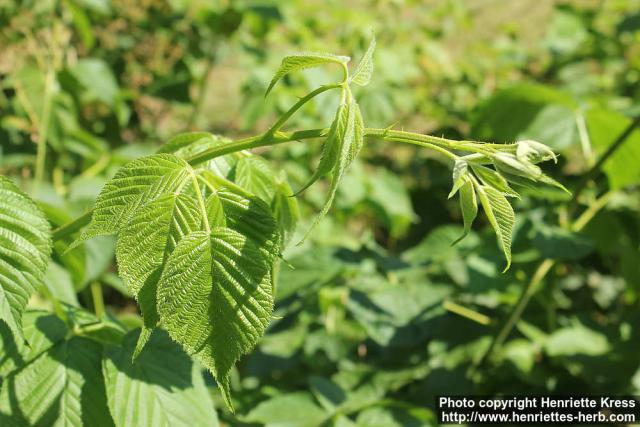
(501, 217)
(25, 245)
(304, 60)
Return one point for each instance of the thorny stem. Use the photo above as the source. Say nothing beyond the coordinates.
(274, 137)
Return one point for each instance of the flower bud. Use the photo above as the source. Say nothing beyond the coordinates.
(508, 163)
(534, 152)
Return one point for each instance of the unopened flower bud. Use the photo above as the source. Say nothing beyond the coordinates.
(508, 163)
(530, 151)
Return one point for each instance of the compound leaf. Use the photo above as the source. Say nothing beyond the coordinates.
(25, 246)
(362, 74)
(151, 235)
(144, 244)
(304, 60)
(215, 298)
(501, 217)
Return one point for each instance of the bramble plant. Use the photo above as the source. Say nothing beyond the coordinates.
(202, 224)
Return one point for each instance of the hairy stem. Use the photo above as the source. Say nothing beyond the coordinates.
(286, 116)
(274, 137)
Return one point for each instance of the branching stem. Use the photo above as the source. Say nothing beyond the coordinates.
(274, 137)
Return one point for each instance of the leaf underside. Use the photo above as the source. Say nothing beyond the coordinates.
(501, 217)
(362, 74)
(302, 61)
(343, 144)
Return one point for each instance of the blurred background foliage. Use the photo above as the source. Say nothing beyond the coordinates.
(377, 312)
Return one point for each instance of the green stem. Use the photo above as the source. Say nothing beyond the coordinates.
(254, 142)
(434, 147)
(518, 309)
(72, 226)
(98, 302)
(57, 307)
(466, 312)
(41, 153)
(286, 116)
(274, 137)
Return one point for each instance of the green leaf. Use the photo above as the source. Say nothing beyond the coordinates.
(493, 179)
(180, 142)
(362, 74)
(186, 145)
(56, 381)
(509, 164)
(156, 227)
(345, 146)
(215, 297)
(145, 243)
(460, 168)
(285, 209)
(256, 176)
(389, 194)
(501, 217)
(152, 233)
(97, 80)
(328, 393)
(621, 168)
(301, 61)
(331, 146)
(577, 340)
(162, 388)
(251, 217)
(25, 246)
(533, 152)
(468, 206)
(291, 410)
(141, 180)
(58, 281)
(559, 243)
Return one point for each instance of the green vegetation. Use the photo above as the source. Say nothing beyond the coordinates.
(187, 238)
